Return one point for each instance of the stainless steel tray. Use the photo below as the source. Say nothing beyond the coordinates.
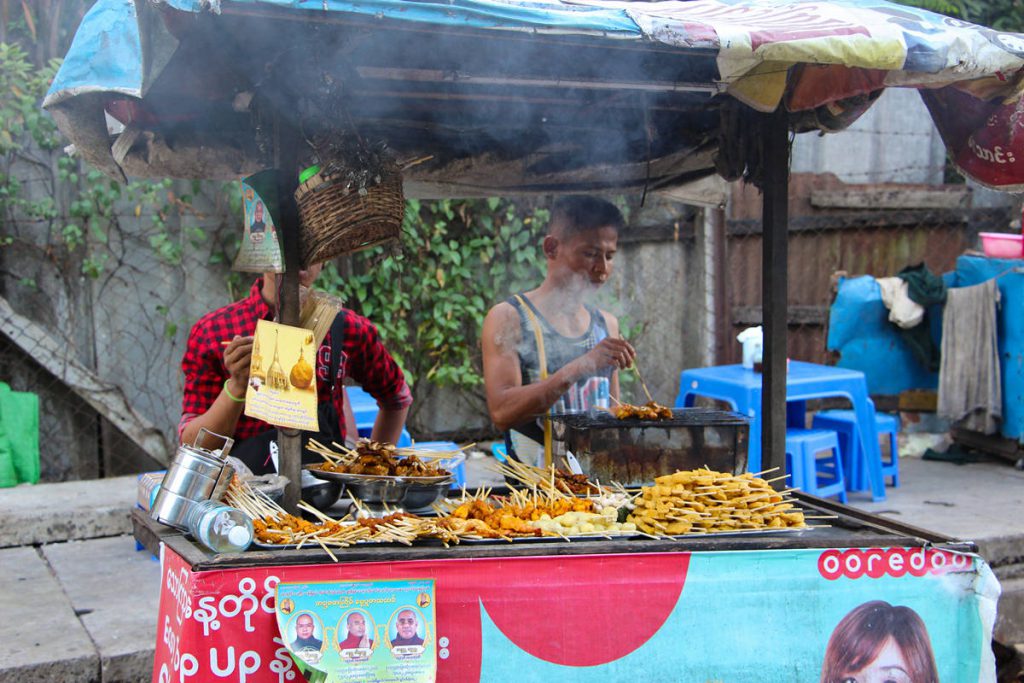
(558, 539)
(347, 478)
(749, 532)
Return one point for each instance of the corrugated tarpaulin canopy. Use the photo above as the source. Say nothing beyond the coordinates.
(499, 97)
(511, 97)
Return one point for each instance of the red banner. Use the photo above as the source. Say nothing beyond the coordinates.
(740, 615)
(985, 137)
(222, 625)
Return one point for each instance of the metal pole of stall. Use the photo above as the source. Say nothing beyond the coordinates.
(285, 149)
(774, 286)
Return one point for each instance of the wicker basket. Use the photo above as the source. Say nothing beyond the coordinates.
(337, 220)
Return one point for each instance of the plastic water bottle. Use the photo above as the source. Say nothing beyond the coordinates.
(221, 528)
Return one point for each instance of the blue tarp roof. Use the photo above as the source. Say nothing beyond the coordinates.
(142, 57)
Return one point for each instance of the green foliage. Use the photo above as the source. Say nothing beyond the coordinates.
(22, 85)
(1001, 15)
(73, 210)
(953, 8)
(459, 258)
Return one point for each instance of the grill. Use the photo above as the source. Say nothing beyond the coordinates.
(634, 452)
(681, 417)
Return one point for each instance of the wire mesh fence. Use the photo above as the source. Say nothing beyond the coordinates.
(96, 297)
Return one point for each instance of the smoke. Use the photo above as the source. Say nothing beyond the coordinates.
(494, 111)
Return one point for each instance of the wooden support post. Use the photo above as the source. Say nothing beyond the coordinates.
(723, 324)
(774, 286)
(287, 147)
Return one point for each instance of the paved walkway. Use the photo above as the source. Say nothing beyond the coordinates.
(79, 603)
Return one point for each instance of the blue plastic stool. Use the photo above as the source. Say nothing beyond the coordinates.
(817, 476)
(844, 422)
(499, 451)
(459, 471)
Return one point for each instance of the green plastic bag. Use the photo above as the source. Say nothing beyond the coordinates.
(19, 416)
(8, 477)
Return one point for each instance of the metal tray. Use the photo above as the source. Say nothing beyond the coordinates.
(556, 539)
(346, 478)
(281, 546)
(750, 532)
(560, 539)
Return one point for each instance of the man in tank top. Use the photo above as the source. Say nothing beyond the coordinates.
(581, 343)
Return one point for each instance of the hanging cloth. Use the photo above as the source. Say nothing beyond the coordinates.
(970, 389)
(904, 312)
(926, 289)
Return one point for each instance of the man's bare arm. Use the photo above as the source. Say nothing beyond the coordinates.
(388, 425)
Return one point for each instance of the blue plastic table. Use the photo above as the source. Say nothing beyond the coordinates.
(741, 389)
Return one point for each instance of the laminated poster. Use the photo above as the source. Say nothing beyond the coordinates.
(282, 377)
(367, 631)
(260, 251)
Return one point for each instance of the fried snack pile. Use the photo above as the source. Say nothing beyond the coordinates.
(285, 529)
(703, 501)
(552, 481)
(584, 523)
(648, 411)
(381, 459)
(490, 520)
(574, 484)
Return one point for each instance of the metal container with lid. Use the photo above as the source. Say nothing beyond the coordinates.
(196, 474)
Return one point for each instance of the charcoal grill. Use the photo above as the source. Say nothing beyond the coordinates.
(634, 451)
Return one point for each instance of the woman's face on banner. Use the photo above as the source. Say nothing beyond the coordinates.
(888, 667)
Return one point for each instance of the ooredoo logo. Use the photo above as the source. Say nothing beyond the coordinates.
(878, 562)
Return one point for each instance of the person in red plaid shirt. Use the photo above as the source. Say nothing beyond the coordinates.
(216, 376)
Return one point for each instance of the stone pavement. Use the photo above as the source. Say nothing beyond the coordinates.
(79, 603)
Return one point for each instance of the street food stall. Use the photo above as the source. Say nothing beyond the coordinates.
(485, 98)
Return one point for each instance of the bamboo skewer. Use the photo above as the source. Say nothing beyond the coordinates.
(643, 385)
(757, 474)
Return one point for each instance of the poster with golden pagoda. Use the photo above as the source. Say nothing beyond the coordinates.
(282, 377)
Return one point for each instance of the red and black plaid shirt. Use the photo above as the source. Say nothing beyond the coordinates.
(363, 358)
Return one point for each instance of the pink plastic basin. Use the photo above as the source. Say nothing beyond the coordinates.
(1002, 244)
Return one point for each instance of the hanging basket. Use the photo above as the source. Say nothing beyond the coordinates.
(337, 220)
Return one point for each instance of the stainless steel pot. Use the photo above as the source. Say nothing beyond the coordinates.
(172, 509)
(196, 474)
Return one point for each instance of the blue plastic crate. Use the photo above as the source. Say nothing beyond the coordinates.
(457, 465)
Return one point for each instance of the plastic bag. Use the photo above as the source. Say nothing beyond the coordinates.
(752, 339)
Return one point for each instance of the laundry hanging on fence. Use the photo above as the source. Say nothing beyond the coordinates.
(926, 289)
(970, 389)
(904, 312)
